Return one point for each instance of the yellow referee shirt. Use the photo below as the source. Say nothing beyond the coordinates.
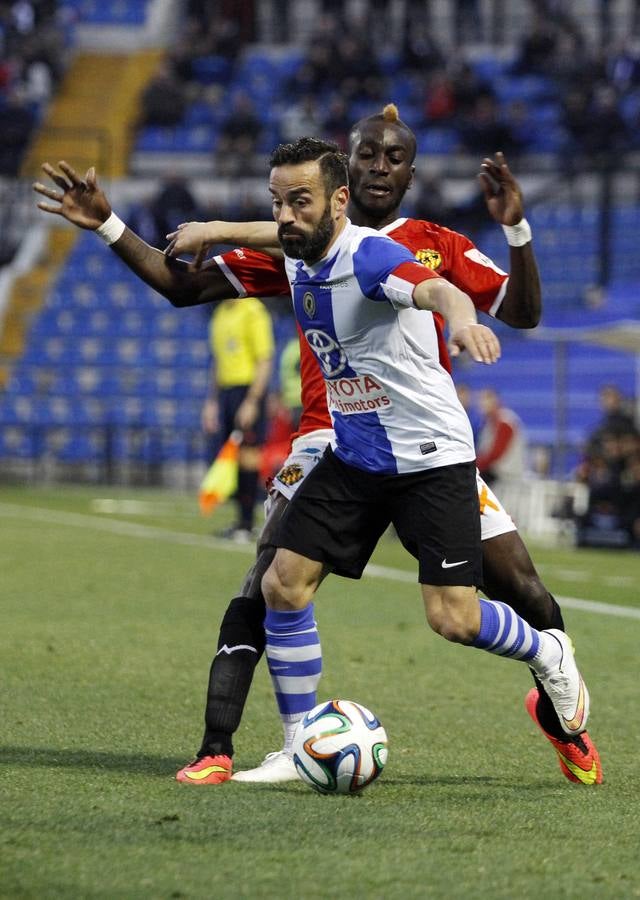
(241, 336)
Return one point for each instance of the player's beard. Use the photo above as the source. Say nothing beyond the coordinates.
(308, 247)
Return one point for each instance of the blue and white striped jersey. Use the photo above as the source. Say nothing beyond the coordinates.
(393, 405)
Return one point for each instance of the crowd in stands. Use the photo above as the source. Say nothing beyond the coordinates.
(32, 58)
(611, 471)
(558, 92)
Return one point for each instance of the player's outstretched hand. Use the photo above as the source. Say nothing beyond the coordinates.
(502, 192)
(478, 340)
(79, 201)
(194, 238)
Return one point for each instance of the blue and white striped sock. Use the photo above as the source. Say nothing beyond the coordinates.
(503, 632)
(294, 658)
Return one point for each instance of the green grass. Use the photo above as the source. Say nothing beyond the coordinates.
(106, 640)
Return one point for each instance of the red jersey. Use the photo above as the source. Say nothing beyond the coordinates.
(447, 253)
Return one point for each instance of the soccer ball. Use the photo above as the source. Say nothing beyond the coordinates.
(339, 747)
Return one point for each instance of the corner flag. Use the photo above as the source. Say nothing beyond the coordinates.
(221, 480)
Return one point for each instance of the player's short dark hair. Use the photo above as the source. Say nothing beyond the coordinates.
(333, 162)
(389, 114)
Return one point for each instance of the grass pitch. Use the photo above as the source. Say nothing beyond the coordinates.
(109, 620)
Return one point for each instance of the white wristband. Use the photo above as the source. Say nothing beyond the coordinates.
(111, 230)
(517, 235)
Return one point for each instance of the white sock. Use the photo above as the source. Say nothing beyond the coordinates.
(549, 654)
(289, 729)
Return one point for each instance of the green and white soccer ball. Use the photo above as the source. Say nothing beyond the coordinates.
(339, 747)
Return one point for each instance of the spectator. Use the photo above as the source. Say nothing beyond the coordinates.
(468, 87)
(163, 100)
(301, 118)
(501, 445)
(440, 101)
(484, 130)
(610, 471)
(537, 47)
(420, 52)
(319, 72)
(239, 136)
(617, 417)
(607, 132)
(174, 203)
(575, 108)
(338, 122)
(17, 119)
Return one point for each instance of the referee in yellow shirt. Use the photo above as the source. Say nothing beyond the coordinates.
(242, 345)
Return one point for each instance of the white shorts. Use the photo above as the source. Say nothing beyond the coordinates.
(307, 450)
(494, 519)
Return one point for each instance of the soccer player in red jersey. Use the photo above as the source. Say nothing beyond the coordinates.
(381, 171)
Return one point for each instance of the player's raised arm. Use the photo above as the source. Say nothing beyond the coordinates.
(465, 333)
(522, 303)
(84, 203)
(198, 237)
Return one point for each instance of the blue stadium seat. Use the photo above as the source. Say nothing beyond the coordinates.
(17, 410)
(75, 445)
(437, 140)
(528, 88)
(17, 442)
(109, 12)
(211, 69)
(490, 68)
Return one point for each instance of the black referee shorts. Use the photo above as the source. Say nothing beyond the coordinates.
(229, 401)
(339, 513)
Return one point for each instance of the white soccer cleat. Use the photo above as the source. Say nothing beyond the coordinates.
(276, 767)
(565, 687)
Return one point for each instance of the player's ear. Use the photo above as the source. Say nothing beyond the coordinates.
(412, 172)
(340, 199)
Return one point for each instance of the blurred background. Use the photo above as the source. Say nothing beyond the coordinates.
(178, 104)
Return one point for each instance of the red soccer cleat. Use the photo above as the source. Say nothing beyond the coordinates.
(207, 770)
(579, 760)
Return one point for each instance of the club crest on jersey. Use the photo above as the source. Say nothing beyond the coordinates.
(290, 474)
(309, 304)
(429, 258)
(329, 354)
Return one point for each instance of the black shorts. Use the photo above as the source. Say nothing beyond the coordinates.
(340, 512)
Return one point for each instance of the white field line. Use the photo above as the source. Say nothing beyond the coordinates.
(151, 532)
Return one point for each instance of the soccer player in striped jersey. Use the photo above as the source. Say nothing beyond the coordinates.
(402, 455)
(380, 172)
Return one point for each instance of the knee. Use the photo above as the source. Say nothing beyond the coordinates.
(454, 614)
(453, 627)
(283, 589)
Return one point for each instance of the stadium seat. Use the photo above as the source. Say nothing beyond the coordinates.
(18, 442)
(211, 69)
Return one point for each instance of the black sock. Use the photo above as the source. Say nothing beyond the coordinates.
(546, 713)
(240, 645)
(247, 490)
(556, 615)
